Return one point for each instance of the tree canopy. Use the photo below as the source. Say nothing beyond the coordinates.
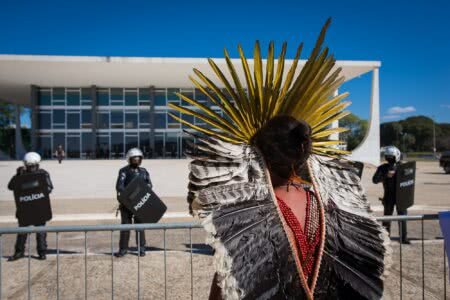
(415, 134)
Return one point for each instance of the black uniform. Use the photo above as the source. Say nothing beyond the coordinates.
(389, 198)
(41, 237)
(126, 175)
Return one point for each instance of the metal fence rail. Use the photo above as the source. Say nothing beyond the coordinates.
(96, 228)
(418, 218)
(170, 226)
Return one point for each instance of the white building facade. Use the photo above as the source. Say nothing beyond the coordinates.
(99, 107)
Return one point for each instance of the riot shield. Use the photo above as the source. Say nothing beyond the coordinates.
(405, 180)
(140, 199)
(32, 199)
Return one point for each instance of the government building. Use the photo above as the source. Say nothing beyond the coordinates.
(99, 107)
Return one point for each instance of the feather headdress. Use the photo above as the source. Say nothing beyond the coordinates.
(308, 96)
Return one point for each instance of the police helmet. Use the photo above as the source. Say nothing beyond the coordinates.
(134, 152)
(31, 158)
(392, 151)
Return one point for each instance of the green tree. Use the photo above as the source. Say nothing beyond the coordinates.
(391, 133)
(415, 134)
(357, 130)
(6, 114)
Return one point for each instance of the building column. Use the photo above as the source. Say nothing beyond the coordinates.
(94, 120)
(369, 149)
(152, 120)
(34, 95)
(20, 151)
(335, 124)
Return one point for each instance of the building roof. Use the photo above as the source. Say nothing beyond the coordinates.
(19, 72)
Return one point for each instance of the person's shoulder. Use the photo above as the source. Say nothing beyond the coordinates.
(124, 169)
(142, 169)
(42, 171)
(383, 166)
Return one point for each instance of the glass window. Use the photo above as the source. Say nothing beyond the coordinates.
(144, 94)
(144, 118)
(87, 148)
(144, 144)
(131, 98)
(159, 146)
(188, 93)
(103, 97)
(45, 146)
(188, 118)
(73, 98)
(160, 120)
(117, 150)
(172, 123)
(131, 120)
(103, 146)
(73, 120)
(103, 120)
(172, 145)
(73, 146)
(59, 116)
(160, 98)
(199, 121)
(59, 138)
(44, 98)
(86, 94)
(211, 103)
(117, 119)
(59, 94)
(172, 97)
(86, 118)
(144, 97)
(131, 141)
(199, 96)
(45, 120)
(116, 94)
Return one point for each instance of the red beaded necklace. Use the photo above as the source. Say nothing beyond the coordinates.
(307, 245)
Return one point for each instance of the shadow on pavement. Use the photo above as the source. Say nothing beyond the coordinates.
(199, 249)
(53, 252)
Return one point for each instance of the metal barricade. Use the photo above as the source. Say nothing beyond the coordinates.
(96, 228)
(418, 218)
(170, 226)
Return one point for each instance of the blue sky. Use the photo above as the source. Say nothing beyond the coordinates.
(410, 38)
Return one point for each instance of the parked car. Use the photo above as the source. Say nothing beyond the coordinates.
(444, 161)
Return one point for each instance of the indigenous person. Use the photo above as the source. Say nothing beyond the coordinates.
(287, 217)
(386, 173)
(31, 162)
(126, 175)
(59, 153)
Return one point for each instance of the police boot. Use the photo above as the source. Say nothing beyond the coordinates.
(121, 253)
(142, 252)
(42, 256)
(16, 256)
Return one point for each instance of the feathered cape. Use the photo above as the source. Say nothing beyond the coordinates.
(255, 258)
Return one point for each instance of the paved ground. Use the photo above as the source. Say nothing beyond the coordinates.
(88, 179)
(432, 195)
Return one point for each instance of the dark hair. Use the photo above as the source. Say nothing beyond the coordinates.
(285, 144)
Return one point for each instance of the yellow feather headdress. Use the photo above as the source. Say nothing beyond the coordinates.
(308, 96)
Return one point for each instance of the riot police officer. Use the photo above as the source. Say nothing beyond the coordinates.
(31, 166)
(386, 173)
(126, 175)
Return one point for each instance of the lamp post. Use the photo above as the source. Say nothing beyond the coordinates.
(434, 136)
